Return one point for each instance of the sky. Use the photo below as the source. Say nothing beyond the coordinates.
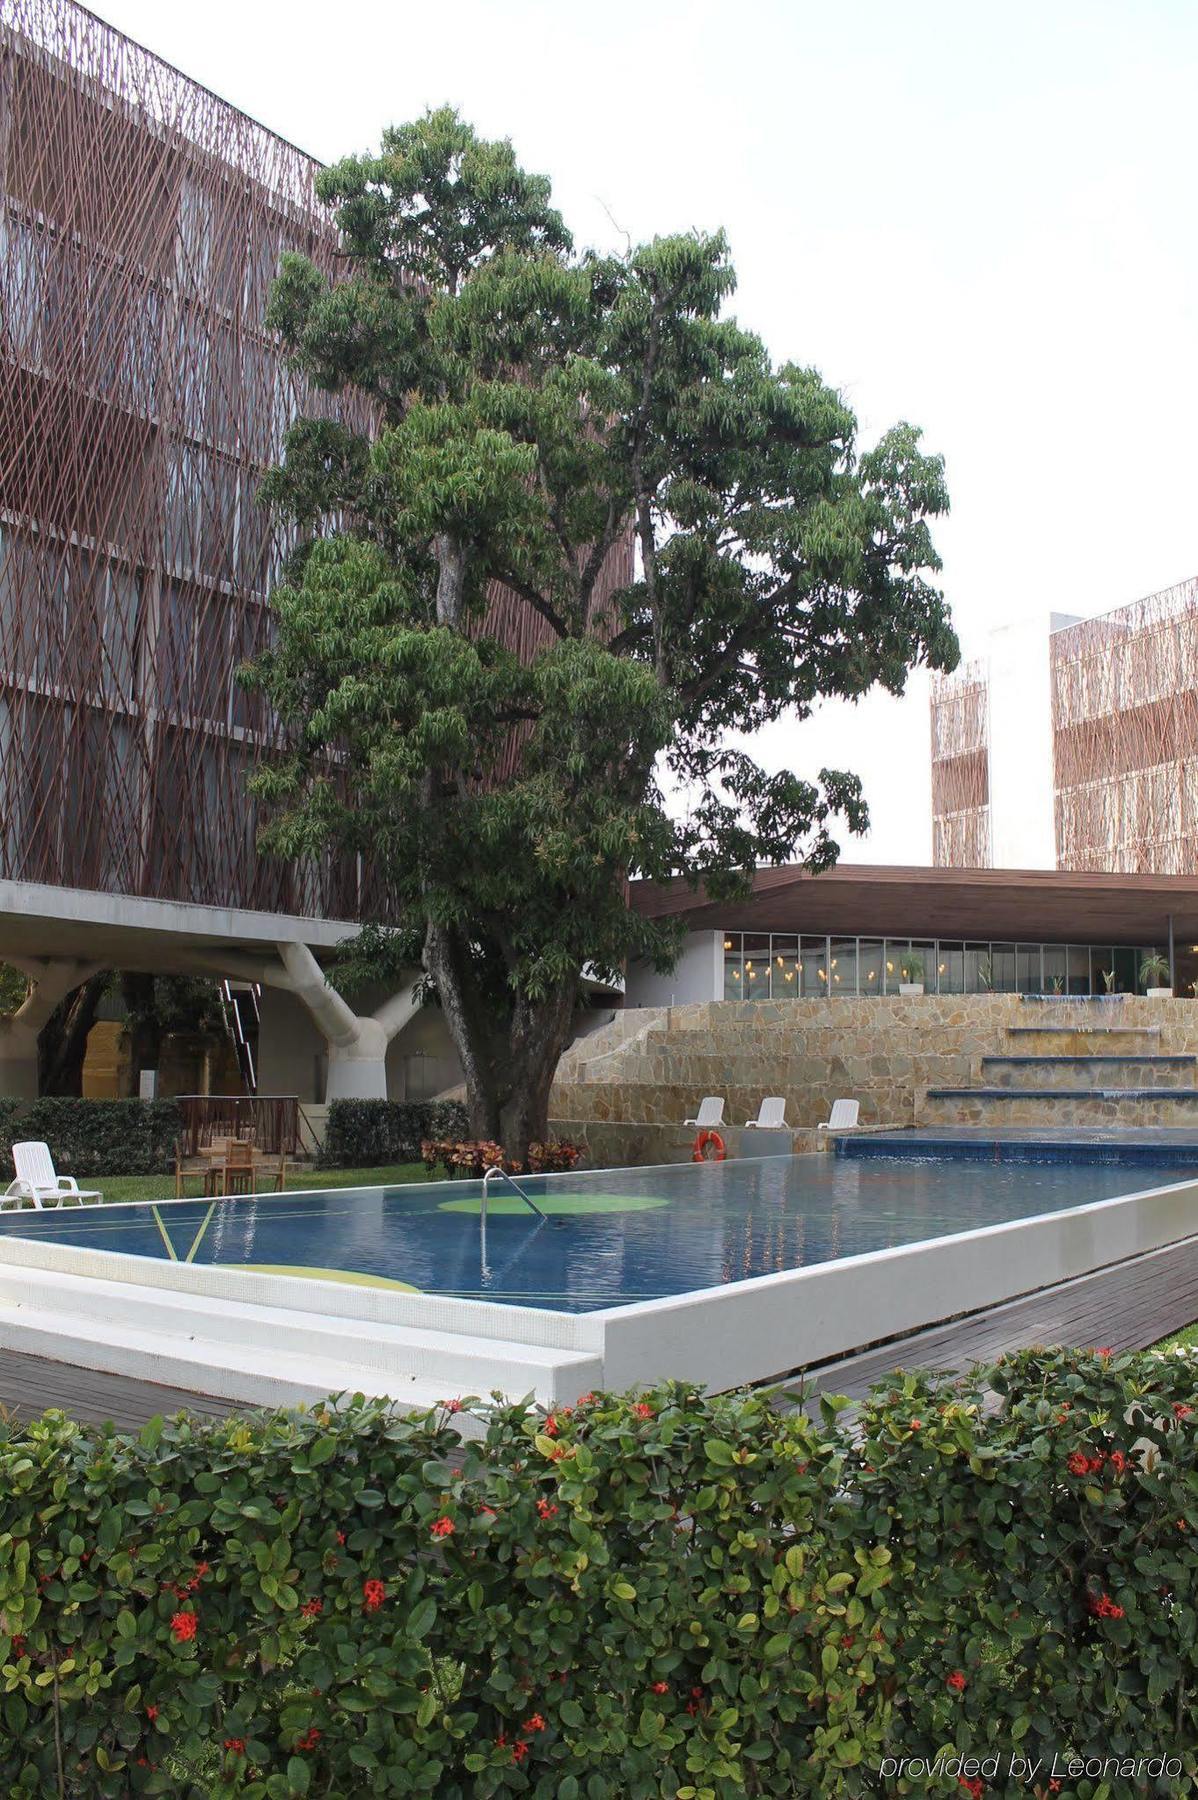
(977, 218)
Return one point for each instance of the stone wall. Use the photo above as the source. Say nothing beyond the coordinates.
(632, 1084)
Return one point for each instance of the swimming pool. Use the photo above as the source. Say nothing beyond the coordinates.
(715, 1274)
(611, 1238)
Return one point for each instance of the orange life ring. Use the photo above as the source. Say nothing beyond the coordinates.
(702, 1140)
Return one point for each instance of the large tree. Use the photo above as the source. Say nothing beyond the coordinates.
(535, 411)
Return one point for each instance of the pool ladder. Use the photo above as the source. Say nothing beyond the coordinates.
(503, 1175)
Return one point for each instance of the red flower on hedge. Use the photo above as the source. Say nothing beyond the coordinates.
(373, 1595)
(309, 1740)
(235, 1746)
(1104, 1350)
(18, 1643)
(453, 1406)
(442, 1527)
(917, 1424)
(660, 1687)
(1081, 1464)
(489, 1510)
(1117, 1461)
(546, 1508)
(585, 1400)
(519, 1752)
(957, 1682)
(975, 1787)
(151, 1713)
(340, 1537)
(1181, 1410)
(643, 1410)
(536, 1723)
(1103, 1607)
(550, 1426)
(183, 1626)
(311, 1609)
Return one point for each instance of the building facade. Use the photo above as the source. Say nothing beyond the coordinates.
(141, 223)
(1074, 744)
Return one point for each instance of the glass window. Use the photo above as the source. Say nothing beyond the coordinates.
(1102, 969)
(1127, 969)
(733, 976)
(1029, 975)
(1078, 964)
(814, 958)
(1002, 968)
(895, 950)
(784, 971)
(871, 963)
(979, 969)
(1056, 969)
(756, 979)
(842, 966)
(950, 968)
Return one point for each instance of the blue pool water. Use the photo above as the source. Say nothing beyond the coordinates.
(613, 1236)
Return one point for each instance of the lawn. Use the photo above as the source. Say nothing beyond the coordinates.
(162, 1187)
(1186, 1339)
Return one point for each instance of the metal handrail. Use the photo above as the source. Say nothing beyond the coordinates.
(503, 1174)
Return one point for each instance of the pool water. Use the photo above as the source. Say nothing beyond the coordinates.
(612, 1236)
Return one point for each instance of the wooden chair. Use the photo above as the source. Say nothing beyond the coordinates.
(281, 1173)
(238, 1168)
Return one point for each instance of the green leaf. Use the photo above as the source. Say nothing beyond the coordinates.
(299, 1774)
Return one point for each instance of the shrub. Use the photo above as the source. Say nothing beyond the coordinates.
(95, 1137)
(472, 1157)
(366, 1134)
(643, 1596)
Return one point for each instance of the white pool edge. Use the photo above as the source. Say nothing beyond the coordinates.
(251, 1333)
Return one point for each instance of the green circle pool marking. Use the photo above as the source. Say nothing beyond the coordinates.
(351, 1277)
(557, 1205)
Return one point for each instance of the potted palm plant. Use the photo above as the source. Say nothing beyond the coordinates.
(910, 973)
(1154, 977)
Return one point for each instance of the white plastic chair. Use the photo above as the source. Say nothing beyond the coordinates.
(772, 1116)
(37, 1183)
(710, 1115)
(843, 1116)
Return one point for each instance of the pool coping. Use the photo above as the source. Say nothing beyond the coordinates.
(750, 1330)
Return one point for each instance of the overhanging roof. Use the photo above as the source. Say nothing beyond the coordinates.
(1008, 905)
(124, 932)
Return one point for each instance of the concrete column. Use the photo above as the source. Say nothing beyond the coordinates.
(52, 981)
(357, 1044)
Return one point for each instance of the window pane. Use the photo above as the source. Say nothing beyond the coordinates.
(842, 967)
(814, 958)
(756, 979)
(733, 978)
(784, 972)
(979, 970)
(1029, 975)
(896, 949)
(1002, 964)
(1078, 963)
(950, 968)
(870, 965)
(1055, 968)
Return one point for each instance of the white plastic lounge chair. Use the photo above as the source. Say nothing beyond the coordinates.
(38, 1185)
(772, 1116)
(843, 1116)
(710, 1115)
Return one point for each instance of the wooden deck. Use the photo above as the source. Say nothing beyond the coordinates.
(1128, 1306)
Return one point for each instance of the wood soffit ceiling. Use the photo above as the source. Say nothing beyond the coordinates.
(1031, 905)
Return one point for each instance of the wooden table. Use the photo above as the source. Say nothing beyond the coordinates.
(217, 1155)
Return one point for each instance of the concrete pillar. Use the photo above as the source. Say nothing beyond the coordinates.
(357, 1044)
(52, 981)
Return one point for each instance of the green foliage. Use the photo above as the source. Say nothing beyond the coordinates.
(13, 988)
(94, 1137)
(538, 412)
(1154, 970)
(372, 1134)
(663, 1596)
(911, 966)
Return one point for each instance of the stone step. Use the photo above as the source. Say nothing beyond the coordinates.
(1056, 1106)
(1107, 1070)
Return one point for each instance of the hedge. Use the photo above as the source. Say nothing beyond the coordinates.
(665, 1595)
(371, 1134)
(95, 1137)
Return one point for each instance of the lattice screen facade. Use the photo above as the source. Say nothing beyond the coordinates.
(1125, 729)
(141, 221)
(961, 770)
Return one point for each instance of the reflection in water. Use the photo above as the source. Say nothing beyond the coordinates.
(720, 1222)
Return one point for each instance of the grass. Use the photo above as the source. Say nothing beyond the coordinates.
(1186, 1339)
(162, 1187)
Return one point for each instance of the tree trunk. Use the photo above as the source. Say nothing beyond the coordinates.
(138, 994)
(508, 1073)
(62, 1041)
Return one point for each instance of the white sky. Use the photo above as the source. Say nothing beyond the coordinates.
(976, 218)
